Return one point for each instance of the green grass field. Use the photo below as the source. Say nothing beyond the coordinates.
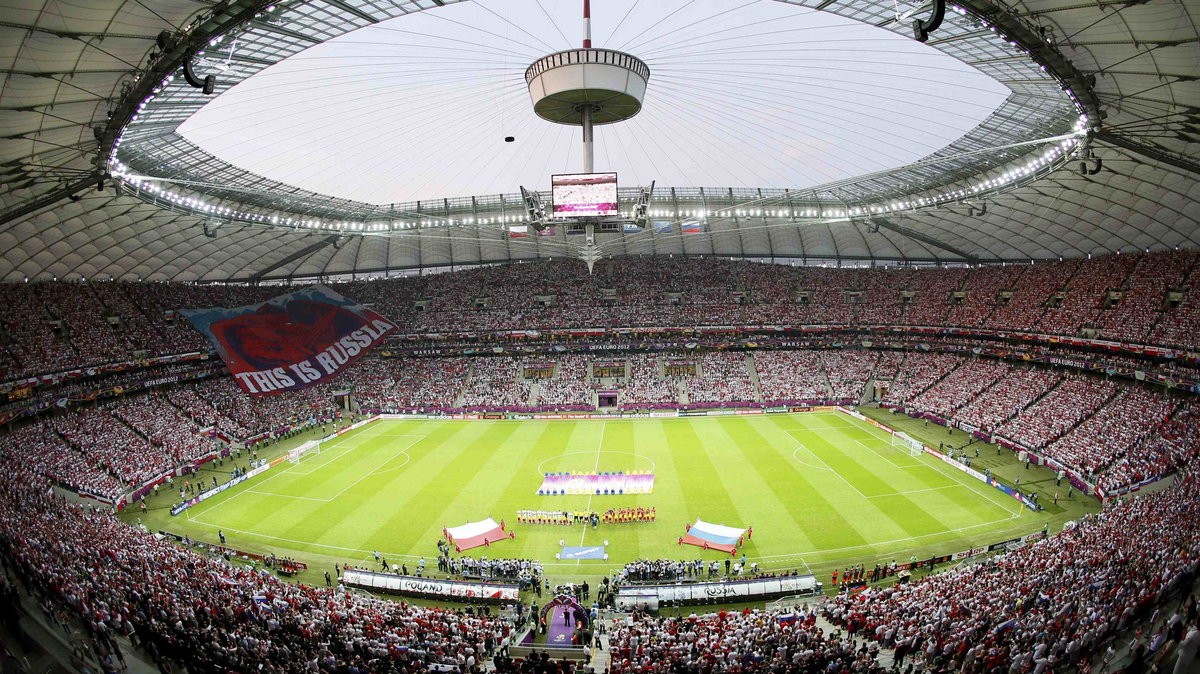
(821, 490)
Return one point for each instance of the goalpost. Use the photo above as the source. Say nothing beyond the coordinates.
(902, 440)
(310, 447)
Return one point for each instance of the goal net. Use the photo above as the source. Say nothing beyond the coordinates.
(904, 441)
(311, 447)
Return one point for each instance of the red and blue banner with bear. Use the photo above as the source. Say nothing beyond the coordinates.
(293, 341)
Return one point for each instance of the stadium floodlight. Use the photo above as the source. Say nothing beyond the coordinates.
(922, 28)
(207, 85)
(534, 208)
(641, 208)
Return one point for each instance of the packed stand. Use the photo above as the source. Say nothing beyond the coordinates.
(791, 376)
(570, 386)
(720, 378)
(748, 641)
(645, 383)
(1141, 305)
(164, 426)
(848, 372)
(263, 415)
(1086, 292)
(918, 372)
(960, 387)
(104, 440)
(1015, 391)
(982, 294)
(933, 288)
(216, 616)
(1112, 431)
(1034, 288)
(1046, 606)
(202, 412)
(494, 383)
(1076, 397)
(429, 382)
(53, 326)
(1176, 444)
(41, 451)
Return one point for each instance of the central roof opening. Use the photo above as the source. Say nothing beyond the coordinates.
(765, 94)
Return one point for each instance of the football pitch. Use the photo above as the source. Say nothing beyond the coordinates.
(820, 489)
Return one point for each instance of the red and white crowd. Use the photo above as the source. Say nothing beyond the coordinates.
(645, 382)
(570, 385)
(917, 372)
(1043, 422)
(745, 641)
(59, 325)
(791, 375)
(720, 378)
(1048, 605)
(960, 386)
(495, 383)
(197, 610)
(1011, 394)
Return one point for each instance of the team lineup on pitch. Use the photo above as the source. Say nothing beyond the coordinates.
(815, 487)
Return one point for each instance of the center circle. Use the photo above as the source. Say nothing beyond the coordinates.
(585, 462)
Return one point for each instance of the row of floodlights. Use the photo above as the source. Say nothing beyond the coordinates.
(1031, 167)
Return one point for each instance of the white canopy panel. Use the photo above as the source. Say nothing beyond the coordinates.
(61, 69)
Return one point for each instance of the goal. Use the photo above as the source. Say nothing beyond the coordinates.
(310, 447)
(904, 441)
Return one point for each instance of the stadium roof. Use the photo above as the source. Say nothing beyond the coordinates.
(908, 176)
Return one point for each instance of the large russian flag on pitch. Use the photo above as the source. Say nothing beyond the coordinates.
(292, 341)
(713, 536)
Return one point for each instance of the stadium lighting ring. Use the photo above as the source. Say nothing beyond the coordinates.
(138, 145)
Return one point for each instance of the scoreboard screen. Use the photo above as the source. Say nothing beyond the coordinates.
(584, 195)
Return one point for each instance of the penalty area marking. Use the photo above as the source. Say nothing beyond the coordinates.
(828, 467)
(255, 489)
(805, 463)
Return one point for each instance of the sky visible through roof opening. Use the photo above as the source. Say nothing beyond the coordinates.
(741, 94)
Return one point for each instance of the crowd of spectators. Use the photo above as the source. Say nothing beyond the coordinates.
(44, 453)
(104, 440)
(791, 375)
(747, 641)
(1085, 293)
(848, 372)
(253, 416)
(917, 372)
(720, 377)
(160, 422)
(1046, 606)
(1175, 444)
(495, 382)
(428, 382)
(1055, 413)
(197, 610)
(645, 382)
(571, 384)
(1113, 431)
(1034, 289)
(59, 325)
(1012, 393)
(960, 386)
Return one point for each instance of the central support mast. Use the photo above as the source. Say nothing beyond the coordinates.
(586, 87)
(585, 111)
